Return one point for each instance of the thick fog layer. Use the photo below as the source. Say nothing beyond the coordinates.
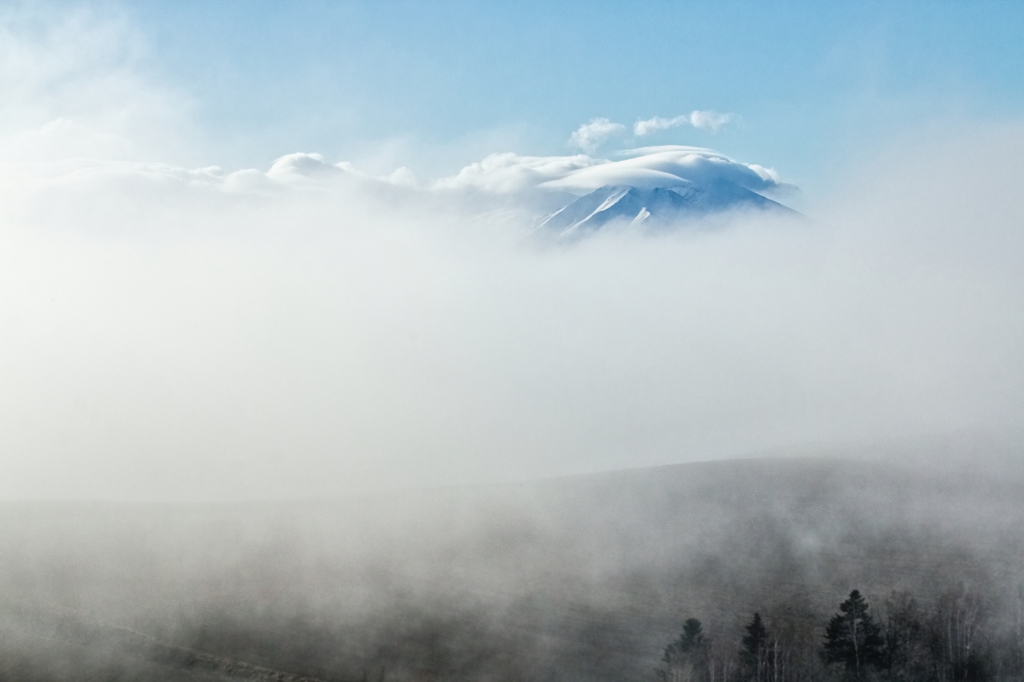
(167, 337)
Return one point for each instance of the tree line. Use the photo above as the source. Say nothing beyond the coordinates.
(954, 639)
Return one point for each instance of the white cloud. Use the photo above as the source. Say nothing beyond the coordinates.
(767, 174)
(657, 124)
(709, 120)
(592, 135)
(301, 166)
(507, 173)
(402, 176)
(664, 166)
(706, 120)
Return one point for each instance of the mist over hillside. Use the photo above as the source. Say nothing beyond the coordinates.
(579, 578)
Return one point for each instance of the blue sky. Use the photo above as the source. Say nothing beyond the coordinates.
(439, 83)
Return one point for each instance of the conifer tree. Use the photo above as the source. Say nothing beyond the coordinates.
(853, 639)
(754, 654)
(686, 658)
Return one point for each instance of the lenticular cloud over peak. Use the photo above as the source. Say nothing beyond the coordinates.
(669, 166)
(647, 167)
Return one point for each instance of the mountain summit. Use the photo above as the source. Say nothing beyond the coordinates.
(657, 208)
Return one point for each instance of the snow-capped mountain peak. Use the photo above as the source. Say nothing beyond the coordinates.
(659, 207)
